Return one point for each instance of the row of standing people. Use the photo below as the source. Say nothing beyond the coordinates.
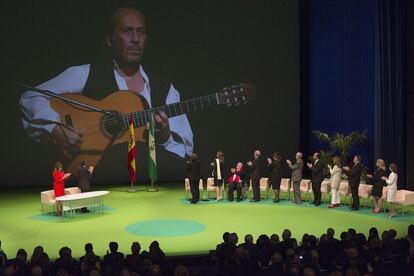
(238, 177)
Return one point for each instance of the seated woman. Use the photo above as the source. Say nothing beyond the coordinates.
(235, 181)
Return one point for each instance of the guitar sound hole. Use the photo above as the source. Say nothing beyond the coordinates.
(112, 125)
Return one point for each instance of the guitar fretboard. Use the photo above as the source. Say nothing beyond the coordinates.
(141, 118)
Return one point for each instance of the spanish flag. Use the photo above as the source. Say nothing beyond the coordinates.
(131, 151)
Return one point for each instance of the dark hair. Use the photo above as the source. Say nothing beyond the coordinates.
(318, 155)
(88, 247)
(337, 161)
(113, 246)
(394, 167)
(358, 157)
(277, 156)
(58, 166)
(194, 156)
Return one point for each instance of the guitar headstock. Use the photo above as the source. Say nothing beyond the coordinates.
(236, 94)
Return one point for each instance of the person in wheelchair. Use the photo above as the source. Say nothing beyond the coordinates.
(236, 181)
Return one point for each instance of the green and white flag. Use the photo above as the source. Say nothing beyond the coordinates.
(152, 158)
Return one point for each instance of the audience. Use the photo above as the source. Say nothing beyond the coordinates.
(352, 254)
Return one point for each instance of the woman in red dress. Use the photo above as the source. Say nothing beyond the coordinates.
(59, 177)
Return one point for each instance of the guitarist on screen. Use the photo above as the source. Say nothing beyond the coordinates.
(125, 42)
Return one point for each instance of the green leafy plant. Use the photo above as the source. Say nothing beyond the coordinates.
(340, 144)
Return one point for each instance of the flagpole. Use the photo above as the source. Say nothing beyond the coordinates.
(132, 189)
(152, 188)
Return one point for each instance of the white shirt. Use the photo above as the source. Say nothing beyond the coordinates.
(36, 106)
(392, 181)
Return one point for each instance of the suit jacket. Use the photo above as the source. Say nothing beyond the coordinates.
(84, 177)
(354, 175)
(275, 172)
(223, 176)
(297, 170)
(317, 171)
(255, 169)
(194, 170)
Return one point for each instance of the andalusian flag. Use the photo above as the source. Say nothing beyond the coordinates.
(132, 150)
(152, 158)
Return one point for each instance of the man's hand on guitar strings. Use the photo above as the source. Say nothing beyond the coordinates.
(67, 139)
(162, 130)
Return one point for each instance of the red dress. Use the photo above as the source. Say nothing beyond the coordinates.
(58, 183)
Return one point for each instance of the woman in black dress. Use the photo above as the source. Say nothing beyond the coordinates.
(377, 185)
(218, 174)
(275, 169)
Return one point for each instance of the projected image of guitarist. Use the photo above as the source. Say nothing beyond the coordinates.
(117, 83)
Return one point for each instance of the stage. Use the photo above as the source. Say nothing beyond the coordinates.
(180, 227)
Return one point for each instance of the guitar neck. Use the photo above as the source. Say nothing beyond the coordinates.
(141, 118)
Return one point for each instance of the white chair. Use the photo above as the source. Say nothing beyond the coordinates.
(325, 188)
(305, 188)
(188, 189)
(364, 192)
(72, 190)
(263, 185)
(48, 198)
(210, 186)
(344, 190)
(404, 198)
(285, 186)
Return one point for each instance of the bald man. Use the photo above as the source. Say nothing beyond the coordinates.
(120, 69)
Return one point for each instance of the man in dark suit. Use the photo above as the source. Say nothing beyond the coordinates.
(194, 175)
(84, 177)
(354, 178)
(317, 178)
(255, 175)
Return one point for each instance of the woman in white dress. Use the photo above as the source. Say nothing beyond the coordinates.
(391, 188)
(336, 173)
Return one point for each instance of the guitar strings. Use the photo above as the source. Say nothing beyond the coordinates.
(95, 129)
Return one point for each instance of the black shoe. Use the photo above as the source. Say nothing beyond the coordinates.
(354, 209)
(193, 202)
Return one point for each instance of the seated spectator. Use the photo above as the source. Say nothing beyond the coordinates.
(288, 241)
(155, 270)
(181, 271)
(66, 262)
(157, 256)
(133, 260)
(410, 239)
(88, 248)
(20, 264)
(112, 256)
(90, 263)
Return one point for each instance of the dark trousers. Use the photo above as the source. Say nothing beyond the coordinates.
(84, 190)
(234, 186)
(195, 192)
(256, 188)
(316, 189)
(355, 197)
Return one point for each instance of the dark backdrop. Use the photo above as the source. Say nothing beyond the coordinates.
(354, 76)
(204, 44)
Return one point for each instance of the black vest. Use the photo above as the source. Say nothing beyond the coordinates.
(101, 83)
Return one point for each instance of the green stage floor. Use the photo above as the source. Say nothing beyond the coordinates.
(180, 227)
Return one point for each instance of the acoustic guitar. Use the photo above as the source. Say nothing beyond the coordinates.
(100, 131)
